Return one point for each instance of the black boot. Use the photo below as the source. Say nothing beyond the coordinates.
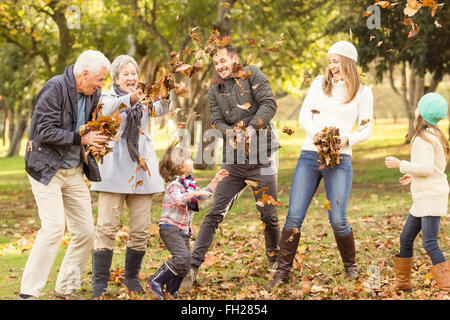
(173, 285)
(157, 282)
(133, 261)
(101, 265)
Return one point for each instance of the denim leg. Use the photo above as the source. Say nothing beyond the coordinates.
(338, 183)
(409, 233)
(304, 185)
(430, 230)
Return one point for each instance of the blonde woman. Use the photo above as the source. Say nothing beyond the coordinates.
(339, 100)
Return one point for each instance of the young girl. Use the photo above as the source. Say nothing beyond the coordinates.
(175, 226)
(429, 190)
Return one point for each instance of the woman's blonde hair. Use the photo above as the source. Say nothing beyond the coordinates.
(420, 128)
(350, 75)
(171, 165)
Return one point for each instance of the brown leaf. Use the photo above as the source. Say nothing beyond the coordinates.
(138, 184)
(251, 183)
(288, 131)
(252, 42)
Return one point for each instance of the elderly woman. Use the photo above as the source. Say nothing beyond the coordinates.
(125, 179)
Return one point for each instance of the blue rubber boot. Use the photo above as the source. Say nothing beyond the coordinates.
(157, 282)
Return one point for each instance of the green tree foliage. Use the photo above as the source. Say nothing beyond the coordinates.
(414, 48)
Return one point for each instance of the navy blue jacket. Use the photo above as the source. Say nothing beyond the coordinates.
(53, 125)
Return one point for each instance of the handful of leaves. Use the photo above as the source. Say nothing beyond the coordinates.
(329, 145)
(235, 141)
(108, 126)
(153, 92)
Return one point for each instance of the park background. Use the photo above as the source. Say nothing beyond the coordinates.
(399, 59)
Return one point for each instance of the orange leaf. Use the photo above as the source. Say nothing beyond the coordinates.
(327, 204)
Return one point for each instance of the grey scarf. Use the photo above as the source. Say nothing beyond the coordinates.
(131, 132)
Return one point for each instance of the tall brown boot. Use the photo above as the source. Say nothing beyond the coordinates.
(288, 246)
(403, 270)
(441, 273)
(346, 246)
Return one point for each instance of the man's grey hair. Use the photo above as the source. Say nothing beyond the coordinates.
(92, 61)
(119, 63)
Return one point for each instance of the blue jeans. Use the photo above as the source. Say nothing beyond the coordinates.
(338, 183)
(430, 229)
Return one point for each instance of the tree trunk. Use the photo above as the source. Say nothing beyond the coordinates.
(14, 147)
(411, 92)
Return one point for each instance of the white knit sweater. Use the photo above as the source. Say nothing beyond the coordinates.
(429, 185)
(334, 113)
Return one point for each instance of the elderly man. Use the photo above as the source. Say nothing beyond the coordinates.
(55, 164)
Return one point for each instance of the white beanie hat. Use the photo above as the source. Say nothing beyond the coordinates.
(344, 48)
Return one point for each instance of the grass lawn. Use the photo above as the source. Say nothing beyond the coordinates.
(236, 267)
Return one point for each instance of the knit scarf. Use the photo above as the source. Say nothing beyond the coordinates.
(131, 132)
(191, 185)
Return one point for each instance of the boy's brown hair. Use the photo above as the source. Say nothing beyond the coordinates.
(171, 165)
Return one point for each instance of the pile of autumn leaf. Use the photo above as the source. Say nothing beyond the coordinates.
(329, 144)
(107, 126)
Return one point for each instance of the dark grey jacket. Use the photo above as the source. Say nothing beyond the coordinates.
(225, 95)
(52, 129)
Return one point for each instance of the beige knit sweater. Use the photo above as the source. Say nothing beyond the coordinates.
(429, 185)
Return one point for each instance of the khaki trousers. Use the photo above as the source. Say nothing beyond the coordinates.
(110, 206)
(65, 200)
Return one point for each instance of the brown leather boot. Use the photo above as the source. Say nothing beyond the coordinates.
(403, 270)
(288, 247)
(346, 246)
(441, 273)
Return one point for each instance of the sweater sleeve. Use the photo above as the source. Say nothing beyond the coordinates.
(111, 104)
(422, 159)
(365, 113)
(305, 118)
(177, 196)
(162, 107)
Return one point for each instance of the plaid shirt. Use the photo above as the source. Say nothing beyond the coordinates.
(175, 210)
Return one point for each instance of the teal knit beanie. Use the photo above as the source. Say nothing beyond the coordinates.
(433, 108)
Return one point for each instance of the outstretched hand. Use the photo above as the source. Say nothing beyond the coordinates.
(200, 193)
(221, 174)
(392, 163)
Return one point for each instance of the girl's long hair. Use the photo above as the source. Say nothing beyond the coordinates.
(350, 75)
(421, 128)
(171, 165)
